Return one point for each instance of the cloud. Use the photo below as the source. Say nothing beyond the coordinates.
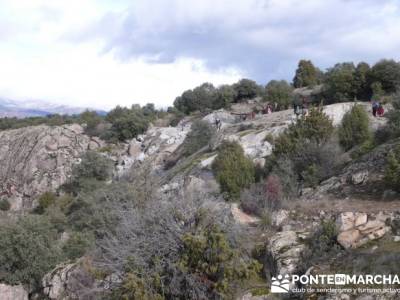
(101, 53)
(76, 76)
(265, 39)
(40, 61)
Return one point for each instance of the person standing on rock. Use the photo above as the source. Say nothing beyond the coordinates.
(297, 110)
(296, 106)
(218, 124)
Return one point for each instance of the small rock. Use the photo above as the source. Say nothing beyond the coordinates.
(345, 221)
(348, 238)
(287, 227)
(279, 217)
(361, 218)
(382, 216)
(359, 178)
(206, 163)
(371, 226)
(378, 233)
(134, 148)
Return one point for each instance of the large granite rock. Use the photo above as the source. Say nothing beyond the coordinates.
(67, 281)
(13, 292)
(39, 158)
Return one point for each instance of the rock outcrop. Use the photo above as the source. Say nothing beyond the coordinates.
(356, 229)
(363, 176)
(13, 292)
(38, 159)
(66, 281)
(286, 248)
(156, 145)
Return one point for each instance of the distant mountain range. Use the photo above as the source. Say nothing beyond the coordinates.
(37, 108)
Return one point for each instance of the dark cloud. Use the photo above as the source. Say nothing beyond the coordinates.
(264, 39)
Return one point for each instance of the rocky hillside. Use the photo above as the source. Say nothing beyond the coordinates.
(354, 221)
(39, 159)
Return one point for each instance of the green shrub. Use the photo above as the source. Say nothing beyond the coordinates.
(304, 152)
(233, 170)
(134, 287)
(279, 92)
(200, 98)
(339, 83)
(45, 200)
(392, 170)
(209, 254)
(57, 218)
(93, 165)
(127, 123)
(316, 127)
(311, 176)
(28, 250)
(387, 73)
(89, 173)
(225, 95)
(4, 205)
(176, 116)
(77, 245)
(364, 148)
(325, 237)
(355, 128)
(199, 136)
(392, 128)
(92, 210)
(322, 244)
(314, 163)
(246, 89)
(92, 121)
(265, 220)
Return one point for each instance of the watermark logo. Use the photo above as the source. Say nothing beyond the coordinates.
(334, 283)
(280, 284)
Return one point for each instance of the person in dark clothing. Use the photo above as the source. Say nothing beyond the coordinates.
(375, 106)
(380, 111)
(218, 124)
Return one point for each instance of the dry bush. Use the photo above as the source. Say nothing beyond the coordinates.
(148, 243)
(263, 197)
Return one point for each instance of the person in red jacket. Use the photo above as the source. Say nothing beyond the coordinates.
(380, 110)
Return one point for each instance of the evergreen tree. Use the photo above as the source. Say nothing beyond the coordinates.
(340, 83)
(279, 92)
(361, 86)
(387, 72)
(306, 74)
(355, 128)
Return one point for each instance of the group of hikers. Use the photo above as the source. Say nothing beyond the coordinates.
(269, 109)
(377, 109)
(300, 108)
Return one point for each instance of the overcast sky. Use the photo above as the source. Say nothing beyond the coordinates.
(99, 53)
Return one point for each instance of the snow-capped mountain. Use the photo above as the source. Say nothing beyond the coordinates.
(36, 108)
